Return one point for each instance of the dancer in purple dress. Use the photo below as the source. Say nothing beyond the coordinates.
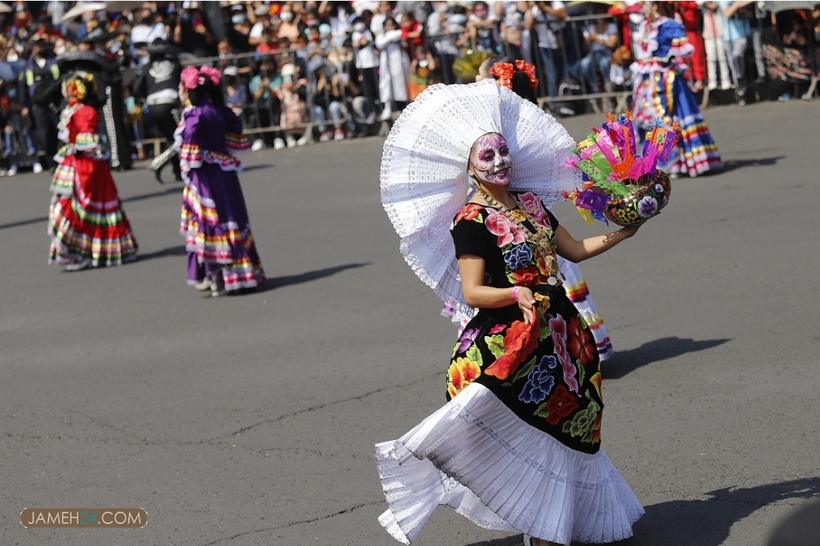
(222, 255)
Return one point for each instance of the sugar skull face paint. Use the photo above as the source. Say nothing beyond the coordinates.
(490, 160)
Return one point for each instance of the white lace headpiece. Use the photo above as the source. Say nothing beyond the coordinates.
(424, 180)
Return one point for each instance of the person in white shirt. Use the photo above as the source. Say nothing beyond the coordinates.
(338, 15)
(377, 24)
(260, 23)
(367, 61)
(447, 29)
(360, 6)
(546, 18)
(145, 32)
(515, 39)
(393, 68)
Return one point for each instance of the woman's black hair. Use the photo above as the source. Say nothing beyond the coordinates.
(667, 9)
(521, 86)
(497, 59)
(203, 93)
(215, 93)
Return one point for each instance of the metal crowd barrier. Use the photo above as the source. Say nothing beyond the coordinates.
(571, 83)
(261, 117)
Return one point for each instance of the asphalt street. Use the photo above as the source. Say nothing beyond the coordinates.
(250, 420)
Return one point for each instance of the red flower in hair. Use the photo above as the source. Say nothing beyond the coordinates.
(504, 72)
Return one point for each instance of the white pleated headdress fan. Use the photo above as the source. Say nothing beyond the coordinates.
(424, 181)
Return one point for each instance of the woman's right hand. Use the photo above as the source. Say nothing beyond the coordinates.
(526, 302)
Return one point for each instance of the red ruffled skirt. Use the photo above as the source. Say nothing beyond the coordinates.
(86, 220)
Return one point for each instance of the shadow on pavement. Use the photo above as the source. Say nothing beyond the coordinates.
(256, 167)
(175, 188)
(24, 222)
(706, 522)
(625, 362)
(308, 276)
(734, 164)
(515, 540)
(701, 522)
(178, 250)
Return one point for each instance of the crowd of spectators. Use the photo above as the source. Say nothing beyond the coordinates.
(343, 66)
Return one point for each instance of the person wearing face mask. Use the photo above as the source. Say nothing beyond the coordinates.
(191, 34)
(443, 39)
(95, 51)
(145, 32)
(290, 28)
(158, 84)
(517, 447)
(42, 76)
(394, 65)
(483, 28)
(367, 62)
(238, 32)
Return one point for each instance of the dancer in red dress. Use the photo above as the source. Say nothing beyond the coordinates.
(86, 223)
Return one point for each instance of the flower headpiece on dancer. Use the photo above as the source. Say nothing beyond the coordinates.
(80, 86)
(201, 84)
(505, 72)
(424, 179)
(620, 185)
(192, 77)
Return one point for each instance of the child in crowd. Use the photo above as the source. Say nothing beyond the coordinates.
(421, 71)
(294, 109)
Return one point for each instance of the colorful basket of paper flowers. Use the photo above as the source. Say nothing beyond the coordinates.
(620, 185)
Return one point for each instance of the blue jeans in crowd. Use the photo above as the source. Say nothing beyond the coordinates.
(553, 64)
(596, 62)
(337, 113)
(17, 128)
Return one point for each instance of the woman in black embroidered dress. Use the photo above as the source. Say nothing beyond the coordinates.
(529, 349)
(541, 354)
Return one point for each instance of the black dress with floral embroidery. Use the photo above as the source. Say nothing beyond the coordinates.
(547, 372)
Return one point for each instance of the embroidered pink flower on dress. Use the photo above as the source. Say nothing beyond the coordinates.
(189, 77)
(535, 210)
(497, 329)
(558, 332)
(503, 228)
(211, 73)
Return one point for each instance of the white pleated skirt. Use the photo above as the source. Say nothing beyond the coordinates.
(475, 455)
